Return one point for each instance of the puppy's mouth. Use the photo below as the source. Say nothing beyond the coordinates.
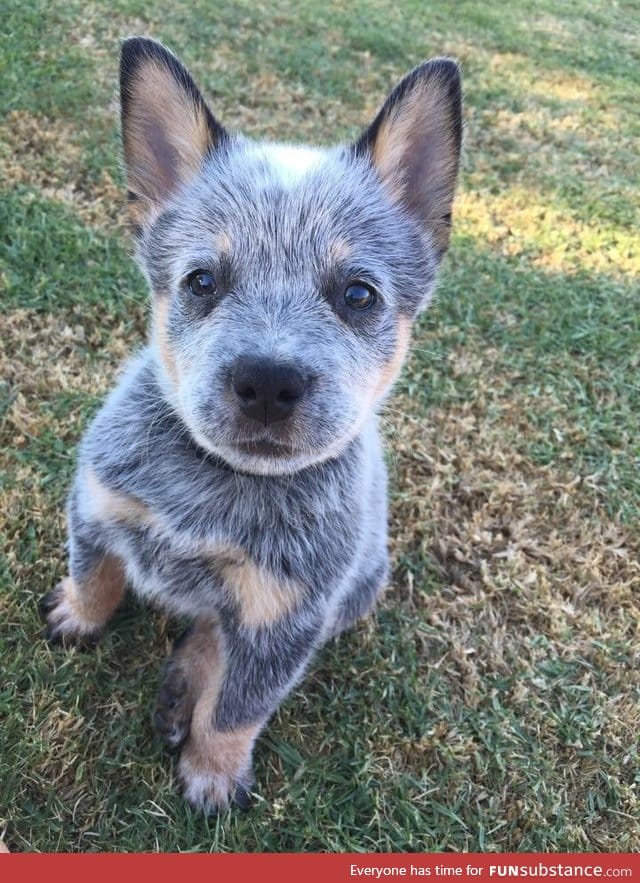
(265, 448)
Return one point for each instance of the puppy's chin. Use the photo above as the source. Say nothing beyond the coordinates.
(255, 462)
(248, 458)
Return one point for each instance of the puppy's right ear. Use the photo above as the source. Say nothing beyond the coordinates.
(167, 128)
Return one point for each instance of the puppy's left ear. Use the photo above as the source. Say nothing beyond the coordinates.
(414, 144)
(167, 128)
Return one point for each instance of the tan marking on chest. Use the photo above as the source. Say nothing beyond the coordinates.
(262, 597)
(107, 505)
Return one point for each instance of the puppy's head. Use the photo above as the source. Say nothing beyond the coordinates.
(284, 279)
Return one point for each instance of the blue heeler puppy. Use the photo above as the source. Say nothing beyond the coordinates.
(235, 475)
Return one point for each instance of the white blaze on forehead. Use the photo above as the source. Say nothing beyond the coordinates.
(291, 162)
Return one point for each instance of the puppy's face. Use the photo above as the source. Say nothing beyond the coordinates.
(284, 279)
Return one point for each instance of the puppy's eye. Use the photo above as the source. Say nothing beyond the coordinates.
(359, 296)
(201, 283)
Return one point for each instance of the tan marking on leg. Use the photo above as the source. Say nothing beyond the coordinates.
(212, 763)
(106, 505)
(161, 338)
(393, 367)
(193, 670)
(85, 608)
(202, 659)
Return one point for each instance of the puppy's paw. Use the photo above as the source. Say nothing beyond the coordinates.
(67, 624)
(174, 705)
(224, 778)
(212, 792)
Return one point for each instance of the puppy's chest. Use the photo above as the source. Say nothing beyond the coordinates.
(194, 552)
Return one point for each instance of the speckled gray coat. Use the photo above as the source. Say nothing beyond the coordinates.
(269, 534)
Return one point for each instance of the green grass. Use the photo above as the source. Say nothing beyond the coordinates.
(494, 704)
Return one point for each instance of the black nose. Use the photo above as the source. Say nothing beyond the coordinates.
(267, 391)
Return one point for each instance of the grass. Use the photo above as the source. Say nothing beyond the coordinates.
(494, 704)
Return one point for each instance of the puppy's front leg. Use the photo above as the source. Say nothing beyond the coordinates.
(80, 606)
(254, 669)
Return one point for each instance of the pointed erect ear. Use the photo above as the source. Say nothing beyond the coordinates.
(414, 143)
(167, 128)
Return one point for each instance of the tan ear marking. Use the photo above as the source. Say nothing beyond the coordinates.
(167, 129)
(414, 144)
(167, 136)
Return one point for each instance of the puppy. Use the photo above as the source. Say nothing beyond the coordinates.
(235, 475)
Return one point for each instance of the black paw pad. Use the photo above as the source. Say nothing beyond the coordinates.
(84, 643)
(49, 601)
(242, 798)
(174, 707)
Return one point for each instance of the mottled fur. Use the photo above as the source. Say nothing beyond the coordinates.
(271, 538)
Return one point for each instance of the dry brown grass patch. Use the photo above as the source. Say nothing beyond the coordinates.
(532, 571)
(492, 519)
(44, 357)
(47, 154)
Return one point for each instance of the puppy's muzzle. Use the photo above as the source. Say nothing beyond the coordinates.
(267, 391)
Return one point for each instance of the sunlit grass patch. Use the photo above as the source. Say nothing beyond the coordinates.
(520, 222)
